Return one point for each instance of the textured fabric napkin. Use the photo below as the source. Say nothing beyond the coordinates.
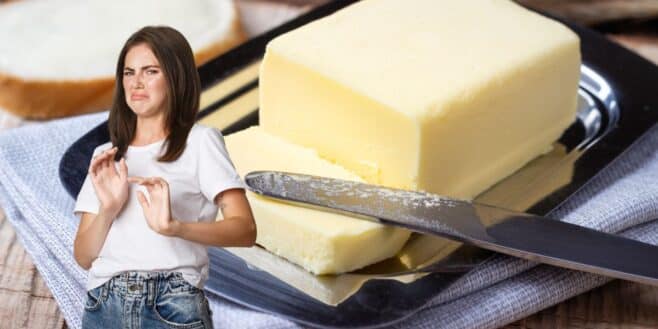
(623, 198)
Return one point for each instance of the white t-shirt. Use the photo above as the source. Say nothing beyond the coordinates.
(195, 178)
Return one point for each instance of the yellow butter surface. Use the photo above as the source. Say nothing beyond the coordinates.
(321, 242)
(442, 96)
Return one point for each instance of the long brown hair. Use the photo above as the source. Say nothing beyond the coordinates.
(183, 88)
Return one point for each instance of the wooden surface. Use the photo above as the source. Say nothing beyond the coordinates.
(26, 302)
(619, 304)
(593, 12)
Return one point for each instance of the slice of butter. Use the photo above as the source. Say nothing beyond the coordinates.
(443, 96)
(319, 241)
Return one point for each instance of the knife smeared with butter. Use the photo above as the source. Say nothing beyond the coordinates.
(447, 97)
(321, 242)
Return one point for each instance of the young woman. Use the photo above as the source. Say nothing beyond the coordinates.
(149, 203)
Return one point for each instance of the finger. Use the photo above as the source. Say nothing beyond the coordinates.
(97, 167)
(161, 185)
(93, 166)
(142, 199)
(150, 188)
(112, 167)
(123, 168)
(136, 179)
(164, 185)
(150, 182)
(162, 181)
(155, 181)
(103, 163)
(104, 168)
(110, 152)
(100, 165)
(145, 181)
(107, 160)
(97, 162)
(106, 153)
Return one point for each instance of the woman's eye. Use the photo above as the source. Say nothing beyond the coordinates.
(152, 71)
(127, 73)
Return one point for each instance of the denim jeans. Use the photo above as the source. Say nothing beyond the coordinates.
(134, 300)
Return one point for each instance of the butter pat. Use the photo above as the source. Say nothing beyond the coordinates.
(443, 96)
(319, 241)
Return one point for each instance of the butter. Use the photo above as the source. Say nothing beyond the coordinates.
(319, 241)
(447, 97)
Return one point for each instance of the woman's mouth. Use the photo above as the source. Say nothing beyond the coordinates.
(135, 97)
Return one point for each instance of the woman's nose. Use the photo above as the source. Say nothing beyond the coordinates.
(138, 82)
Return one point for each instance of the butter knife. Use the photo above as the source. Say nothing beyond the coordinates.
(509, 232)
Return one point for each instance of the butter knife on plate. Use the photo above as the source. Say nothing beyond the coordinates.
(505, 231)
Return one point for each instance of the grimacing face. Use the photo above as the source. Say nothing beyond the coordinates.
(144, 82)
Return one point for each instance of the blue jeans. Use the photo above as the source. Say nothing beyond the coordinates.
(134, 300)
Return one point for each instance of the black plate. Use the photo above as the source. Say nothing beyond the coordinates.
(626, 83)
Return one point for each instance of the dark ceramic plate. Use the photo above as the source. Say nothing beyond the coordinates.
(618, 105)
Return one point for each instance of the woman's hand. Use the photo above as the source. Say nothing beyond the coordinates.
(158, 211)
(111, 186)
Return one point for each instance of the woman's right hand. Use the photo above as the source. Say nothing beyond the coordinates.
(111, 186)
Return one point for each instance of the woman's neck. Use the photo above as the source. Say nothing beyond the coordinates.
(149, 131)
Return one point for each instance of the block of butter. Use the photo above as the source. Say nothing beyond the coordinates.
(443, 96)
(319, 241)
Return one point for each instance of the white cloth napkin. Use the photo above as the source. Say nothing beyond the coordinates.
(622, 198)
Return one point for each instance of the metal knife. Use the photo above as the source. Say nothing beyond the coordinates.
(509, 232)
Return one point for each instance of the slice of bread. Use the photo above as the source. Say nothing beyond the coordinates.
(58, 57)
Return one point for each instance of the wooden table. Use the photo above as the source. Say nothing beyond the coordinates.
(26, 302)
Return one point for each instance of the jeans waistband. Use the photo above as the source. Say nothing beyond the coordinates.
(143, 276)
(140, 283)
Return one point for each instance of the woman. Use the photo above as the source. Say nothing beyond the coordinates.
(149, 202)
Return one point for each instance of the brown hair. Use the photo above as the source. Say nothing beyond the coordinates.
(183, 88)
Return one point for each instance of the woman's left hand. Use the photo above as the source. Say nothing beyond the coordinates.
(158, 211)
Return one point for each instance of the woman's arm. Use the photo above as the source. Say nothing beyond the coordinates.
(111, 187)
(90, 237)
(238, 229)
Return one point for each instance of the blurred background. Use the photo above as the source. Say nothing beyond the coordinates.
(26, 302)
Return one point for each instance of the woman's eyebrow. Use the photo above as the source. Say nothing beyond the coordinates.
(128, 68)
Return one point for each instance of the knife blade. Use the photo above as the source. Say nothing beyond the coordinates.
(518, 234)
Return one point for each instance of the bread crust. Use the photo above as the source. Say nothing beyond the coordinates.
(49, 99)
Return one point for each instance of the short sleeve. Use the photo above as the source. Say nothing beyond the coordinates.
(215, 172)
(87, 201)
